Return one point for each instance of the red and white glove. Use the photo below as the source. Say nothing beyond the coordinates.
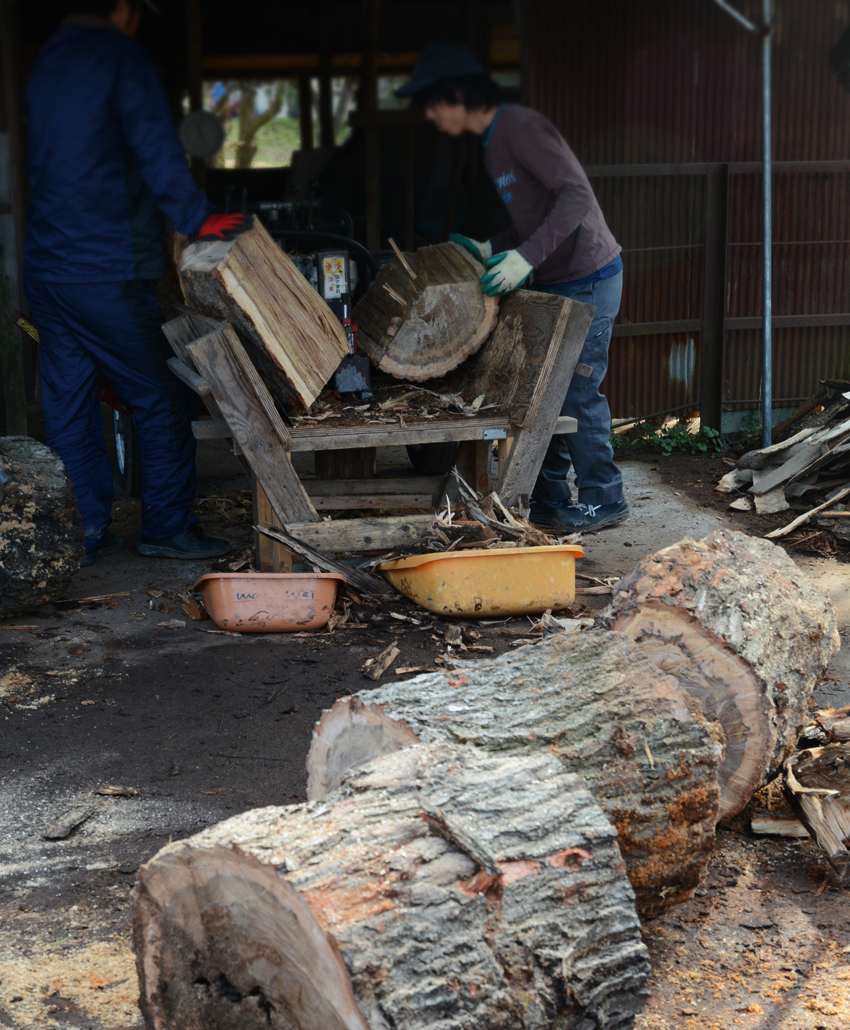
(225, 227)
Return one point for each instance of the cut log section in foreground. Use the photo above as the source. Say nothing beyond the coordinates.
(290, 333)
(422, 317)
(636, 738)
(41, 533)
(744, 630)
(441, 887)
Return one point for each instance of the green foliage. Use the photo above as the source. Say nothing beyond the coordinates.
(751, 426)
(671, 438)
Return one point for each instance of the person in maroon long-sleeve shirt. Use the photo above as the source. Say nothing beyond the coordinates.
(558, 243)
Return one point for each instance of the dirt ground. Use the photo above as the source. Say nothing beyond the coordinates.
(195, 726)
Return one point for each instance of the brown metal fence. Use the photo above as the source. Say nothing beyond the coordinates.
(661, 101)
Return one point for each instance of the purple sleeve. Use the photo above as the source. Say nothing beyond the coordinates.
(504, 240)
(548, 158)
(150, 132)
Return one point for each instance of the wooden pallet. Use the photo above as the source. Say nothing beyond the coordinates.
(526, 366)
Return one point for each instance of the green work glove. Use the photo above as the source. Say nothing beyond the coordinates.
(480, 251)
(510, 270)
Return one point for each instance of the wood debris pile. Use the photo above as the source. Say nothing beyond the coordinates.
(807, 469)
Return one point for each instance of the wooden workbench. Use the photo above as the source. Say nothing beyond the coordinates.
(523, 372)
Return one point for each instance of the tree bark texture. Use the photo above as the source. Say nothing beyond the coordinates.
(745, 631)
(41, 533)
(441, 888)
(289, 332)
(636, 738)
(422, 318)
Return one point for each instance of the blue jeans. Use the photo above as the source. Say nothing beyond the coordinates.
(588, 451)
(114, 328)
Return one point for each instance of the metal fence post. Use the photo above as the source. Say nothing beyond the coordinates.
(714, 301)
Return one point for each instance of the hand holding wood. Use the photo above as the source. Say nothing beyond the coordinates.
(511, 271)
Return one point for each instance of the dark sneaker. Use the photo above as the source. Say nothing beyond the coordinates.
(579, 518)
(193, 543)
(108, 543)
(541, 511)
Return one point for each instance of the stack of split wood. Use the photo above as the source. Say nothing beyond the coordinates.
(808, 470)
(459, 861)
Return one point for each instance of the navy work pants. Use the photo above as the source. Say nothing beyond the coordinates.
(587, 451)
(114, 328)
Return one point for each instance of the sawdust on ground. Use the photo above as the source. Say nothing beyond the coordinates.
(93, 982)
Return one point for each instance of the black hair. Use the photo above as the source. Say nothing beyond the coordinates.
(475, 92)
(102, 7)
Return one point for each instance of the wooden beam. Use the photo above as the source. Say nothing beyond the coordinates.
(246, 406)
(305, 111)
(363, 534)
(566, 328)
(272, 556)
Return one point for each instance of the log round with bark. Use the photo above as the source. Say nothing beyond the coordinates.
(422, 318)
(745, 631)
(41, 533)
(636, 738)
(440, 887)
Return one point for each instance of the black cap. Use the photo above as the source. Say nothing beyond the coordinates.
(447, 60)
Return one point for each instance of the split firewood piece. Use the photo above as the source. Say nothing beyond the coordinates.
(637, 739)
(41, 533)
(817, 786)
(290, 333)
(773, 825)
(379, 665)
(744, 630)
(835, 722)
(422, 318)
(785, 530)
(776, 454)
(440, 887)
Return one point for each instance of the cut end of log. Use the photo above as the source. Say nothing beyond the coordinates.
(348, 736)
(207, 923)
(725, 687)
(746, 632)
(425, 313)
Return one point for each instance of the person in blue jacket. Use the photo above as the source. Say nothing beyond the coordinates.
(105, 164)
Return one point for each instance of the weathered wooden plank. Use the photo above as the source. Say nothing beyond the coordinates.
(385, 436)
(290, 333)
(218, 358)
(272, 556)
(363, 534)
(377, 501)
(185, 329)
(365, 487)
(565, 324)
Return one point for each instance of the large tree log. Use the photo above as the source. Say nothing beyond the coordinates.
(440, 889)
(422, 318)
(639, 742)
(41, 534)
(290, 333)
(745, 631)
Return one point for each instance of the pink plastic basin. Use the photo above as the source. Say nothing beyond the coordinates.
(269, 602)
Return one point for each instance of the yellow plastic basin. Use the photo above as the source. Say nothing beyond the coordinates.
(501, 581)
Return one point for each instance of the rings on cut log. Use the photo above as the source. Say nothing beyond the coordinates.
(422, 318)
(440, 887)
(41, 533)
(745, 632)
(636, 738)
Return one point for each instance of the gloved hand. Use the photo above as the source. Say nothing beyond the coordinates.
(510, 270)
(480, 251)
(225, 227)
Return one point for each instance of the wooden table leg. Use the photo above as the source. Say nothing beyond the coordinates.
(271, 555)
